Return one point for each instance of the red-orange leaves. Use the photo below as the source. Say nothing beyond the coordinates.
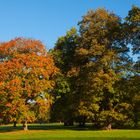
(26, 73)
(22, 45)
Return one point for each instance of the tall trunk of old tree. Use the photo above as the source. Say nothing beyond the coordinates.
(25, 127)
(109, 126)
(15, 124)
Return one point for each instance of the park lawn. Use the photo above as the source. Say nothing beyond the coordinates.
(61, 133)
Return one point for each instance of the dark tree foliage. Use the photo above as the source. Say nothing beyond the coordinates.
(95, 62)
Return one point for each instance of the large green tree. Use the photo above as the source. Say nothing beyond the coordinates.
(95, 62)
(102, 56)
(64, 56)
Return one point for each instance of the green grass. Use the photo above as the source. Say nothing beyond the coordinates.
(59, 132)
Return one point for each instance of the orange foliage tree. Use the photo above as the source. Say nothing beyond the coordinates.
(26, 80)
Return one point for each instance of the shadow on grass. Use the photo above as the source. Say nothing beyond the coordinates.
(57, 126)
(9, 128)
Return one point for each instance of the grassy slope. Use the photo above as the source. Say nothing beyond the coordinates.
(43, 132)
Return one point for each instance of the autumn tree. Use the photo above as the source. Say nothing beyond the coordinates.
(26, 80)
(97, 80)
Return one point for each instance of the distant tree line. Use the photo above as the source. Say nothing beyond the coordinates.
(91, 75)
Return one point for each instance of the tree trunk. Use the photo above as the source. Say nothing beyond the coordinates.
(82, 121)
(25, 127)
(81, 124)
(136, 120)
(68, 122)
(108, 127)
(15, 124)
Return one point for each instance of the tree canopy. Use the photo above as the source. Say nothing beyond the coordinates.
(26, 75)
(89, 76)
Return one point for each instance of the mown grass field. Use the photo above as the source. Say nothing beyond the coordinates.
(59, 132)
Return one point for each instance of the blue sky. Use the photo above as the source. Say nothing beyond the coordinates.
(46, 20)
